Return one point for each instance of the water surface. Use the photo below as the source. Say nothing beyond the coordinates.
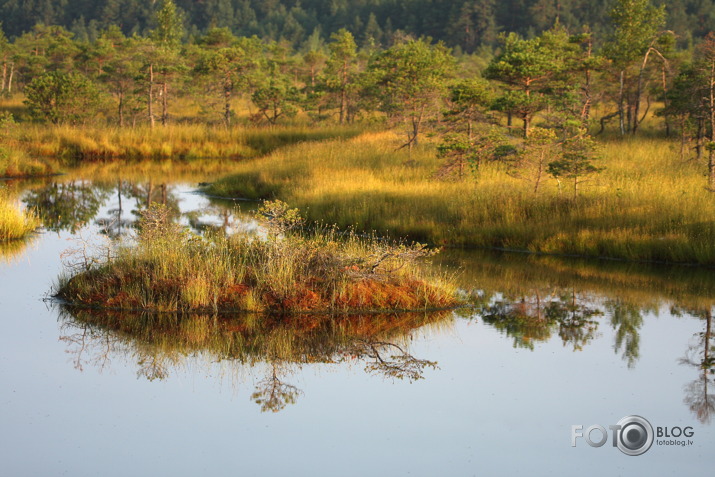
(492, 390)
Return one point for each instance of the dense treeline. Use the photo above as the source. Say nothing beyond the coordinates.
(464, 23)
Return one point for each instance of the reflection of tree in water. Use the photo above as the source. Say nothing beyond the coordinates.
(700, 355)
(627, 320)
(71, 205)
(272, 394)
(160, 343)
(390, 360)
(528, 319)
(132, 198)
(123, 218)
(66, 206)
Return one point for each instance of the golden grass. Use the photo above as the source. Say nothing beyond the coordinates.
(16, 164)
(15, 223)
(646, 205)
(175, 141)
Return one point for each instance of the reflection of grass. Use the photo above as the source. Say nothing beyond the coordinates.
(643, 285)
(178, 141)
(161, 343)
(172, 270)
(13, 249)
(646, 205)
(15, 223)
(254, 338)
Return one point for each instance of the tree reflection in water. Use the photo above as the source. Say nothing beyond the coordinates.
(701, 356)
(161, 343)
(626, 319)
(69, 206)
(66, 206)
(529, 319)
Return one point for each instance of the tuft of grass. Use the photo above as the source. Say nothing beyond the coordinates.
(647, 205)
(322, 271)
(14, 222)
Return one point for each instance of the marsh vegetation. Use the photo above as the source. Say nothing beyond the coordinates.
(322, 270)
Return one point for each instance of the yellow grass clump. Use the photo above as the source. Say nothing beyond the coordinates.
(15, 223)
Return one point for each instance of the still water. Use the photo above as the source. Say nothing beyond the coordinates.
(490, 390)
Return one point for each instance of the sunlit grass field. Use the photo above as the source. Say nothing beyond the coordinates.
(646, 205)
(177, 141)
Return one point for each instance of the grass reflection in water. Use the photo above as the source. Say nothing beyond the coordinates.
(160, 343)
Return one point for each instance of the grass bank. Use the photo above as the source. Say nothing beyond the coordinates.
(646, 205)
(173, 270)
(15, 223)
(176, 141)
(16, 164)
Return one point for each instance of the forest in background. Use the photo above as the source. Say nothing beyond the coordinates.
(463, 24)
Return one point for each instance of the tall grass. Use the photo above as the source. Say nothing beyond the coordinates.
(173, 270)
(647, 204)
(177, 141)
(15, 223)
(15, 163)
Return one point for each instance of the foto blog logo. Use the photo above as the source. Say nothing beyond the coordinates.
(632, 435)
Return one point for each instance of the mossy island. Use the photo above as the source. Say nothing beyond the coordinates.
(292, 269)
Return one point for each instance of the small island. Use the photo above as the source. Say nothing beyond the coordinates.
(292, 268)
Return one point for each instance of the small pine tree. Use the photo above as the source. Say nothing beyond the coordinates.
(578, 152)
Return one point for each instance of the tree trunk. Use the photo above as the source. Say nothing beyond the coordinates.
(700, 139)
(343, 106)
(343, 93)
(227, 104)
(621, 101)
(621, 117)
(682, 137)
(664, 80)
(150, 98)
(539, 172)
(575, 187)
(4, 75)
(9, 81)
(416, 123)
(586, 110)
(527, 124)
(164, 104)
(639, 91)
(711, 146)
(121, 108)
